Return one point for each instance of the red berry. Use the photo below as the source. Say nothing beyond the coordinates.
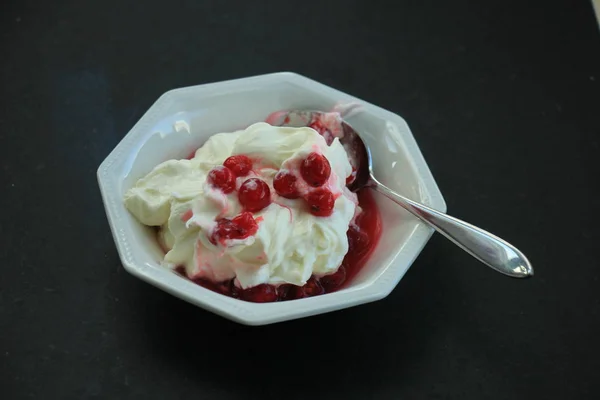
(323, 130)
(320, 202)
(222, 178)
(285, 292)
(311, 288)
(358, 241)
(240, 227)
(315, 169)
(240, 165)
(259, 294)
(285, 185)
(246, 223)
(227, 288)
(332, 282)
(254, 194)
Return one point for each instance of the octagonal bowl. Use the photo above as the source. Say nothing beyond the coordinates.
(182, 119)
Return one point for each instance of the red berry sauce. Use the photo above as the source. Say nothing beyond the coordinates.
(368, 224)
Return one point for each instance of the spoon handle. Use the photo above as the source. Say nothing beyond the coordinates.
(487, 248)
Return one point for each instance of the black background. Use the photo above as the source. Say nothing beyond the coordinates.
(503, 98)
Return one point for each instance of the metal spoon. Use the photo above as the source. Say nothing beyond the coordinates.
(487, 248)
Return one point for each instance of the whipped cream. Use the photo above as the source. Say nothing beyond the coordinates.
(290, 244)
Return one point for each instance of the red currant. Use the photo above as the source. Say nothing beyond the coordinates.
(246, 222)
(222, 178)
(240, 227)
(285, 185)
(311, 288)
(262, 293)
(240, 165)
(285, 292)
(254, 194)
(321, 202)
(335, 280)
(315, 169)
(227, 288)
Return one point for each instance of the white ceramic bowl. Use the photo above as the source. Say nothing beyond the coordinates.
(161, 134)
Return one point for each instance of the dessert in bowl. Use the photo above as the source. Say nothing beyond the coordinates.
(262, 214)
(183, 121)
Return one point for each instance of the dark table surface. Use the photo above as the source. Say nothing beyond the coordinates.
(504, 100)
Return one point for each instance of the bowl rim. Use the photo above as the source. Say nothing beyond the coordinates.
(265, 313)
